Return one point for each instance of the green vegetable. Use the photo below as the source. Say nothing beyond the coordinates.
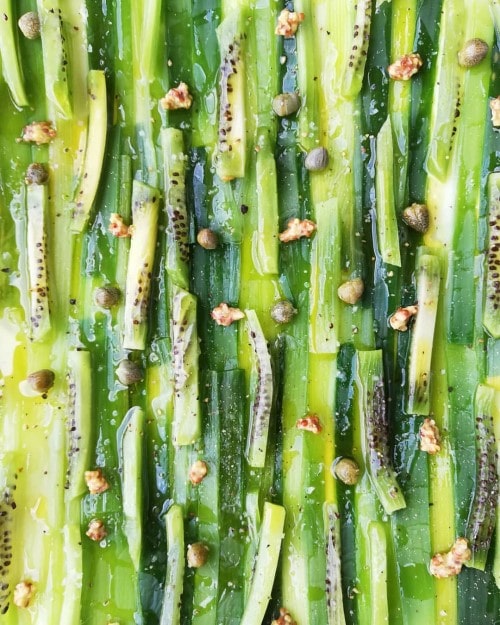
(375, 434)
(145, 208)
(284, 448)
(9, 54)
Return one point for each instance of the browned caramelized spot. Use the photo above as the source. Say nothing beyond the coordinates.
(288, 23)
(23, 593)
(96, 482)
(285, 618)
(177, 98)
(429, 437)
(39, 132)
(495, 111)
(296, 229)
(197, 471)
(96, 530)
(450, 563)
(310, 423)
(405, 67)
(118, 228)
(224, 315)
(399, 320)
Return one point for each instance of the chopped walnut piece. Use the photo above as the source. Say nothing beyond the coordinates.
(310, 423)
(297, 228)
(117, 226)
(96, 530)
(198, 471)
(177, 98)
(39, 132)
(495, 111)
(429, 437)
(285, 618)
(399, 320)
(23, 593)
(288, 22)
(450, 563)
(96, 482)
(224, 315)
(405, 67)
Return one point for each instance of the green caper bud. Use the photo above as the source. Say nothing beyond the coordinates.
(283, 311)
(41, 381)
(317, 159)
(346, 470)
(417, 217)
(351, 291)
(129, 372)
(36, 174)
(473, 52)
(29, 25)
(208, 239)
(197, 555)
(286, 103)
(107, 296)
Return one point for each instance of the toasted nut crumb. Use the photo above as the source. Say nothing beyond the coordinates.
(177, 98)
(117, 226)
(29, 25)
(296, 229)
(41, 381)
(450, 563)
(198, 471)
(224, 315)
(96, 530)
(285, 618)
(208, 239)
(417, 217)
(197, 555)
(283, 311)
(473, 52)
(129, 372)
(429, 437)
(399, 320)
(39, 132)
(96, 482)
(405, 67)
(351, 291)
(36, 174)
(346, 470)
(288, 22)
(107, 296)
(310, 423)
(495, 111)
(23, 593)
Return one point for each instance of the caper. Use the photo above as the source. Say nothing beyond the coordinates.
(283, 311)
(36, 174)
(29, 25)
(473, 52)
(107, 296)
(417, 217)
(346, 470)
(41, 381)
(208, 239)
(129, 372)
(197, 555)
(286, 103)
(351, 291)
(317, 159)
